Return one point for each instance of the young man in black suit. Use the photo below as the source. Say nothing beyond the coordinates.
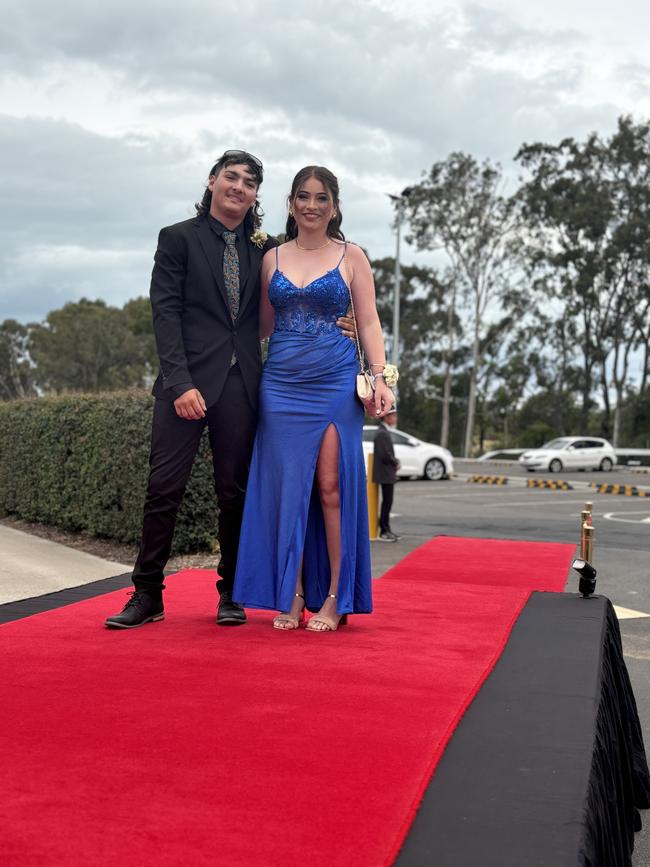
(205, 299)
(384, 473)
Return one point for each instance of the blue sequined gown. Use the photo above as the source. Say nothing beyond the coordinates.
(308, 383)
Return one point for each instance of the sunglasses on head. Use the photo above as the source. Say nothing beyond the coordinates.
(244, 155)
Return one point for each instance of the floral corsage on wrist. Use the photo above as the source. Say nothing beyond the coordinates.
(259, 238)
(390, 375)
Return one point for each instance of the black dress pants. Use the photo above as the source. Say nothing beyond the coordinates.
(386, 504)
(174, 442)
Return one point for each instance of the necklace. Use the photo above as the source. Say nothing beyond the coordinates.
(311, 249)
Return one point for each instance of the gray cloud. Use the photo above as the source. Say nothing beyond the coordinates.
(328, 63)
(374, 95)
(81, 212)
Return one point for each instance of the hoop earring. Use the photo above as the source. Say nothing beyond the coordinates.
(290, 212)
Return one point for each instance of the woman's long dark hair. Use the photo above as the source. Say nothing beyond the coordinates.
(329, 181)
(253, 219)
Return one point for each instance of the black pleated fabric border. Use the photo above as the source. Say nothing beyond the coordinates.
(547, 768)
(618, 784)
(37, 604)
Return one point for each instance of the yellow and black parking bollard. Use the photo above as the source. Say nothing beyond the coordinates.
(373, 500)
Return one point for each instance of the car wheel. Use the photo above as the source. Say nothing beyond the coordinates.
(555, 466)
(434, 470)
(606, 465)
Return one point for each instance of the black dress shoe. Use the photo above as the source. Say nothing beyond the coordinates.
(229, 613)
(140, 609)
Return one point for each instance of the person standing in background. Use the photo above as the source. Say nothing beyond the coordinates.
(384, 473)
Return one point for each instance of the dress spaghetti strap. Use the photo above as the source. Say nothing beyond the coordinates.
(345, 249)
(277, 263)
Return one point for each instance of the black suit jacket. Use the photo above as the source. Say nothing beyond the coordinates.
(195, 334)
(384, 468)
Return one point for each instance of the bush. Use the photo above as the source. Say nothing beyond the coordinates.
(535, 435)
(80, 462)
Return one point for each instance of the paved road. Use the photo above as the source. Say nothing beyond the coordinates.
(622, 548)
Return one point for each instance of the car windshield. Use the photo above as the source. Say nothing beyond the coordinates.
(556, 445)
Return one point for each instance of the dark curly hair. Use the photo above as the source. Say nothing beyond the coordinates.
(253, 219)
(329, 181)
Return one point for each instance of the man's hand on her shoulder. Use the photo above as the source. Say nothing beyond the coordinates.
(190, 405)
(346, 324)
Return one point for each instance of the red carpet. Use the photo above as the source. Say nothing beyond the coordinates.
(183, 744)
(536, 565)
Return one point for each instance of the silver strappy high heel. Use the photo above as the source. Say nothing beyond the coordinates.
(329, 625)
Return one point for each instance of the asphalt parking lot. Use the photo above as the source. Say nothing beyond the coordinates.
(513, 511)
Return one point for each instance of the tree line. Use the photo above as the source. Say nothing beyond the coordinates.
(534, 322)
(540, 311)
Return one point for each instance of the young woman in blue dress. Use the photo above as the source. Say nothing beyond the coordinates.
(304, 541)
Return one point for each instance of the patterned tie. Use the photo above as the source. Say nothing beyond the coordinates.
(231, 277)
(231, 272)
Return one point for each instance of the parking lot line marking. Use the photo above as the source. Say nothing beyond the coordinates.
(612, 516)
(628, 613)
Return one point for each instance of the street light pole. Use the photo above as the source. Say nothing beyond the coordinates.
(396, 288)
(399, 201)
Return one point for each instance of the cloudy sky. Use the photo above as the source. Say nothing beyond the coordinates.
(111, 114)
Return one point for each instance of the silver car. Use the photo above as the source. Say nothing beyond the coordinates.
(570, 453)
(417, 458)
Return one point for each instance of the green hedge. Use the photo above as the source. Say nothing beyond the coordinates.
(81, 462)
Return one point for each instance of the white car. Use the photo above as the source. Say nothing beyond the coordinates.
(425, 460)
(570, 453)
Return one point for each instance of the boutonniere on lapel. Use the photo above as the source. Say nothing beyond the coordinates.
(259, 238)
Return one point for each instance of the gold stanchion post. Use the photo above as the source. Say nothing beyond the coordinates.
(589, 544)
(373, 500)
(586, 520)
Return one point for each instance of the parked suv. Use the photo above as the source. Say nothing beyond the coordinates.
(417, 458)
(570, 453)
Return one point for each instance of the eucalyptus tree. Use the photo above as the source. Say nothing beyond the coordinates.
(628, 271)
(424, 327)
(16, 368)
(587, 207)
(459, 209)
(86, 346)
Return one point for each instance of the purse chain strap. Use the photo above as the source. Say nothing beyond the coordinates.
(356, 332)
